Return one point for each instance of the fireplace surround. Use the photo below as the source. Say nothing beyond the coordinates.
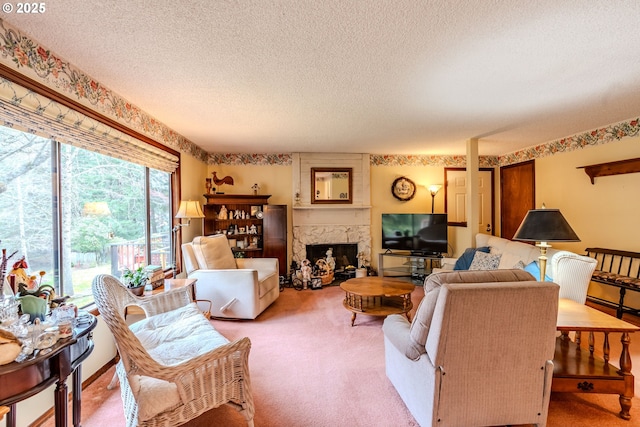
(348, 223)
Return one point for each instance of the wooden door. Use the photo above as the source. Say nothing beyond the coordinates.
(275, 235)
(517, 189)
(456, 198)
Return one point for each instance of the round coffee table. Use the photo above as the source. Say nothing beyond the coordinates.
(377, 296)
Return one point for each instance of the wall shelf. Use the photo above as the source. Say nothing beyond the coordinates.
(612, 168)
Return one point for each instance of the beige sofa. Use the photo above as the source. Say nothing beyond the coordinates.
(479, 350)
(569, 270)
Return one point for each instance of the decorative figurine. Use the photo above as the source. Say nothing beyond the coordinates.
(331, 261)
(208, 185)
(306, 272)
(255, 187)
(223, 214)
(226, 180)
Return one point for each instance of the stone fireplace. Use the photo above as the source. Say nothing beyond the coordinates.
(326, 236)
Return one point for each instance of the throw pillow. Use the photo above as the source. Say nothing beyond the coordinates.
(485, 261)
(534, 269)
(464, 262)
(519, 265)
(213, 252)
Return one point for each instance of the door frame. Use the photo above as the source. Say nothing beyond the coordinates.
(493, 196)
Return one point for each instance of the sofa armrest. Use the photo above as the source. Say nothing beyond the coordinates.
(448, 263)
(165, 301)
(396, 329)
(261, 264)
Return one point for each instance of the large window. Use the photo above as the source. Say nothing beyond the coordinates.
(75, 213)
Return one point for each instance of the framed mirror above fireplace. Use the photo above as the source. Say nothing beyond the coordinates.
(331, 185)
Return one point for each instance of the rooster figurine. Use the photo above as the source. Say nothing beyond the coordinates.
(20, 271)
(226, 180)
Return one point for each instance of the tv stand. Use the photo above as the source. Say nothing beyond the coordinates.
(415, 266)
(430, 255)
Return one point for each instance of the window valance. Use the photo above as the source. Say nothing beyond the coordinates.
(23, 109)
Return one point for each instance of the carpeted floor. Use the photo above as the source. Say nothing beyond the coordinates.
(309, 367)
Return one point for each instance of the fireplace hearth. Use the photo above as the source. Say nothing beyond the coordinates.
(345, 254)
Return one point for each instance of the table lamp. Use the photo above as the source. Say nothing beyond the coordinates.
(188, 209)
(542, 226)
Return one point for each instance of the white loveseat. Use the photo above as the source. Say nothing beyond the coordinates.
(569, 270)
(239, 288)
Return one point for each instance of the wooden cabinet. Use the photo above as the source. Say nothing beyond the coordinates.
(275, 235)
(256, 235)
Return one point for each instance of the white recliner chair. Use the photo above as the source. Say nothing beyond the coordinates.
(239, 288)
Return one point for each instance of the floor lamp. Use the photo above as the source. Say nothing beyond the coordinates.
(188, 209)
(542, 226)
(433, 189)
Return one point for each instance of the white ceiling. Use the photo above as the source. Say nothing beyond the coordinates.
(373, 76)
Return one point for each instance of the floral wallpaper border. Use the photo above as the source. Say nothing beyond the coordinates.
(426, 160)
(250, 159)
(39, 63)
(35, 61)
(604, 135)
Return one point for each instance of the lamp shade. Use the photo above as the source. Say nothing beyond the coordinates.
(433, 189)
(189, 209)
(545, 225)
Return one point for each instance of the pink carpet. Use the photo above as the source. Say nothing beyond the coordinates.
(309, 367)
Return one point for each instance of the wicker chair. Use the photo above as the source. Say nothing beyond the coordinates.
(174, 366)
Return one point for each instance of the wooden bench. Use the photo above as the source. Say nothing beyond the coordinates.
(617, 268)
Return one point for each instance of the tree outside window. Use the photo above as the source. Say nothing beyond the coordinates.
(89, 218)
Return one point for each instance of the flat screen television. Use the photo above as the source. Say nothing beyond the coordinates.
(423, 234)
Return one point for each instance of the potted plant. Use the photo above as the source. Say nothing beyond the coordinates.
(135, 280)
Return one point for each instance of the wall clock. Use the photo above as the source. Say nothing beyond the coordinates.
(403, 189)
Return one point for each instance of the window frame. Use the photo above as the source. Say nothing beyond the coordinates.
(40, 89)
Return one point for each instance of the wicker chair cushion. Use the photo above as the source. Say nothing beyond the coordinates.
(164, 337)
(213, 252)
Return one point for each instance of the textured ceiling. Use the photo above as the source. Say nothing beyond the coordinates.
(396, 77)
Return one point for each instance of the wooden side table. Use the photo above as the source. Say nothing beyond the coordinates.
(176, 284)
(19, 381)
(579, 371)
